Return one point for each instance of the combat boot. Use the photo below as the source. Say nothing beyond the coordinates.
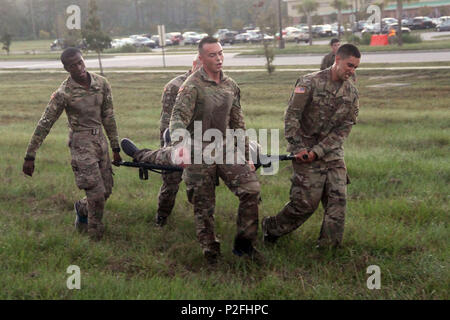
(212, 253)
(81, 223)
(267, 237)
(244, 248)
(129, 147)
(160, 220)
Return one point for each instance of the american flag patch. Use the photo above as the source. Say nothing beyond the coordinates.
(300, 90)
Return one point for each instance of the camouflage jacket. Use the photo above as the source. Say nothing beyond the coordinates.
(320, 115)
(86, 109)
(168, 99)
(215, 105)
(327, 61)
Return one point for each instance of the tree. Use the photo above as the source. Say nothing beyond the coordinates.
(308, 7)
(207, 12)
(96, 39)
(339, 5)
(6, 40)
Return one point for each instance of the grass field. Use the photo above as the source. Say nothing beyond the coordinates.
(397, 218)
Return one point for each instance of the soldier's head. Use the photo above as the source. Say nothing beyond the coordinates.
(210, 54)
(196, 64)
(334, 44)
(73, 63)
(346, 61)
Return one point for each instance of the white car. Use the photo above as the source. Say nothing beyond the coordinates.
(191, 37)
(296, 36)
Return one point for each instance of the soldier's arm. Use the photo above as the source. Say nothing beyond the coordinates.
(183, 110)
(108, 118)
(323, 65)
(168, 100)
(52, 112)
(337, 136)
(300, 97)
(237, 118)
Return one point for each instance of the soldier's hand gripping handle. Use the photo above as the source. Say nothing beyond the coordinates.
(28, 167)
(117, 159)
(305, 156)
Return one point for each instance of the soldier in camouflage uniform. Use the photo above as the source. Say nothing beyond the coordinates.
(321, 112)
(86, 98)
(213, 99)
(328, 60)
(171, 180)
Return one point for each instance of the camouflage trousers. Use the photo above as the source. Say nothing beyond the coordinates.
(169, 189)
(168, 192)
(312, 183)
(92, 168)
(201, 181)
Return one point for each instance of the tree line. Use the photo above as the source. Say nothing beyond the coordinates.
(40, 19)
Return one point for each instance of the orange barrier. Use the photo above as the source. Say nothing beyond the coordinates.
(379, 40)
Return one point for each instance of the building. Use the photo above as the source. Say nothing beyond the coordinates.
(433, 8)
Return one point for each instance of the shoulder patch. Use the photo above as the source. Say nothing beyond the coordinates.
(300, 90)
(181, 89)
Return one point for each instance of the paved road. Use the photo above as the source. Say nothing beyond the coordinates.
(231, 60)
(431, 35)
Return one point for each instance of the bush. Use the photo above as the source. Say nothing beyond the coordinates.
(411, 38)
(352, 38)
(365, 40)
(128, 48)
(144, 49)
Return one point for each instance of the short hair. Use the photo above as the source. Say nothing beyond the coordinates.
(207, 39)
(348, 50)
(334, 40)
(69, 52)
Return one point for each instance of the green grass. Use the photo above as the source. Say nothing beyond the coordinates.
(397, 218)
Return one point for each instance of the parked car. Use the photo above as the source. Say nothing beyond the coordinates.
(242, 38)
(388, 27)
(296, 36)
(324, 30)
(408, 22)
(255, 36)
(389, 20)
(61, 44)
(422, 23)
(371, 28)
(175, 37)
(191, 37)
(227, 37)
(267, 37)
(144, 42)
(169, 42)
(442, 19)
(444, 26)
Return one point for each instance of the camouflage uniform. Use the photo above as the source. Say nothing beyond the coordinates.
(171, 180)
(319, 117)
(87, 110)
(327, 61)
(216, 106)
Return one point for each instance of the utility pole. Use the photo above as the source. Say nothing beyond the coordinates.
(281, 43)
